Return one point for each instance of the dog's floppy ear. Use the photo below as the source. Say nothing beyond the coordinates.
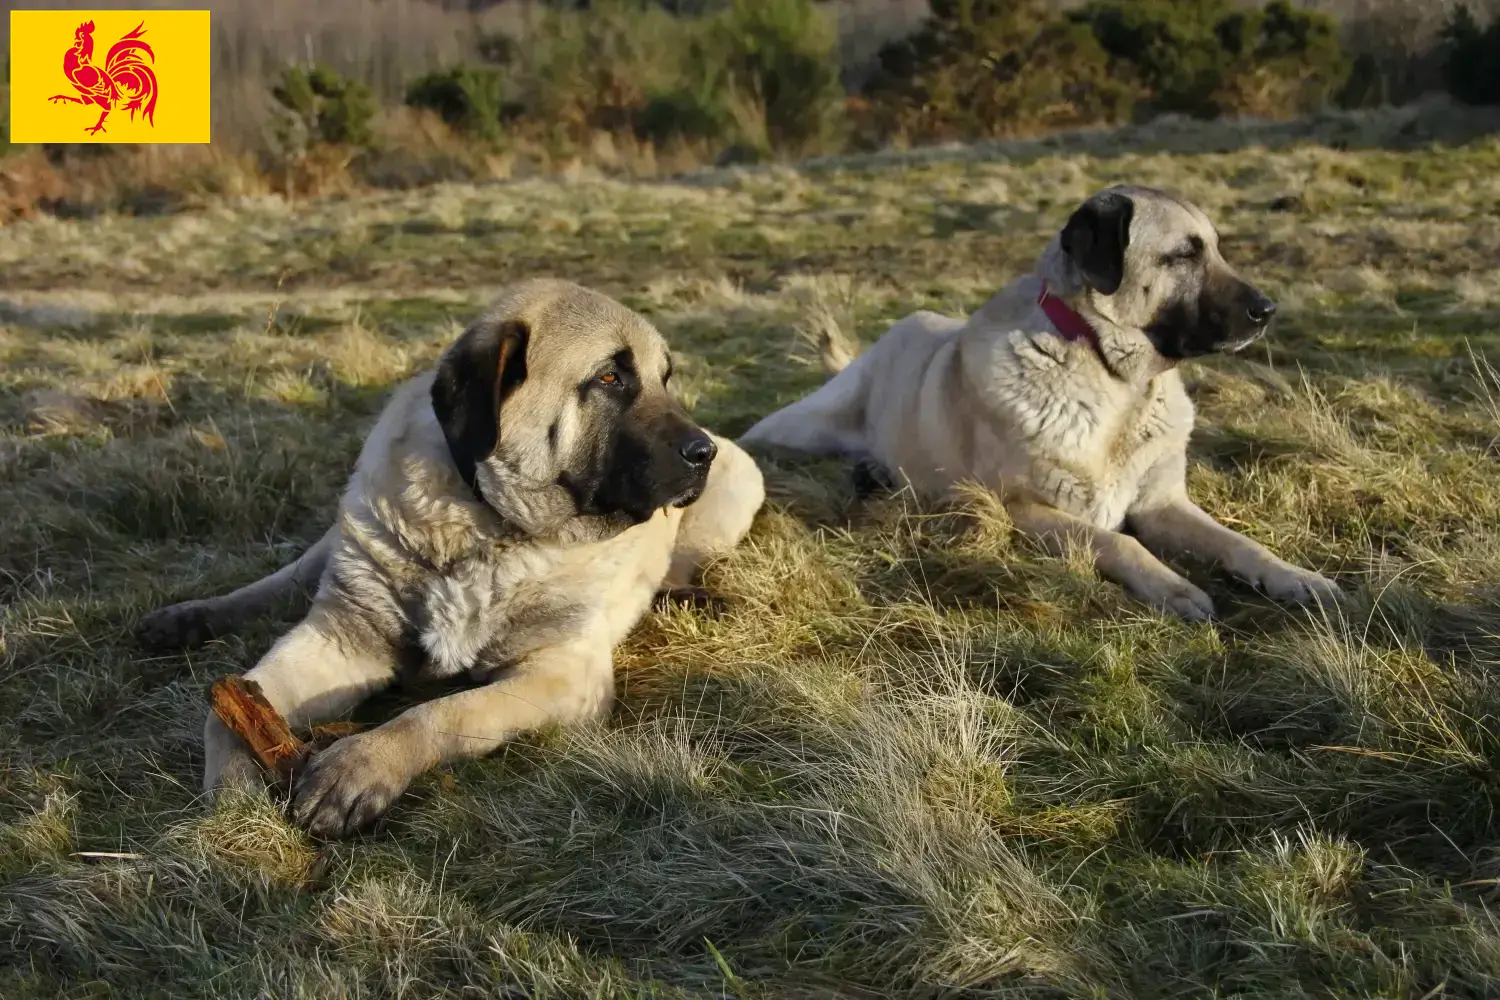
(475, 376)
(1096, 237)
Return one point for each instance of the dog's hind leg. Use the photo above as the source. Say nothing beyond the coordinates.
(830, 421)
(192, 623)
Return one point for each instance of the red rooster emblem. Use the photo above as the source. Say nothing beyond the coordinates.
(125, 75)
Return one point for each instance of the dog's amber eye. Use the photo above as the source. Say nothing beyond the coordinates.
(610, 378)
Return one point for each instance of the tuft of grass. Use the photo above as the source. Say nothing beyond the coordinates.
(912, 756)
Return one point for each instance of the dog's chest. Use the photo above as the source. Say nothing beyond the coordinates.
(1089, 443)
(485, 614)
(484, 608)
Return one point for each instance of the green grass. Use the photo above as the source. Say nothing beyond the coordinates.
(913, 757)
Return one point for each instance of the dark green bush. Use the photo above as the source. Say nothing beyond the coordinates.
(328, 107)
(693, 110)
(581, 72)
(780, 56)
(981, 68)
(761, 75)
(1283, 58)
(1170, 46)
(1209, 57)
(1472, 71)
(469, 98)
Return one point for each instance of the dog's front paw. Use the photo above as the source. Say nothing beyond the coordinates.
(237, 773)
(1281, 581)
(349, 786)
(178, 626)
(228, 763)
(1174, 595)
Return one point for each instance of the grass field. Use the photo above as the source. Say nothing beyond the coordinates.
(911, 757)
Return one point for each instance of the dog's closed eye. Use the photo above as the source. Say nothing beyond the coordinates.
(1185, 254)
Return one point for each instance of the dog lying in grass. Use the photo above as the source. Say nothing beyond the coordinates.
(1062, 394)
(510, 518)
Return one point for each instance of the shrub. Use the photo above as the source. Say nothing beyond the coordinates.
(1170, 46)
(982, 68)
(757, 75)
(697, 108)
(595, 69)
(1284, 59)
(469, 98)
(1208, 57)
(497, 48)
(1400, 51)
(324, 107)
(781, 56)
(761, 75)
(1472, 71)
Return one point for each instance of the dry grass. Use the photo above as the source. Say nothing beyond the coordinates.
(912, 757)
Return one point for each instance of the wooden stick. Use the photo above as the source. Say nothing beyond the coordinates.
(242, 707)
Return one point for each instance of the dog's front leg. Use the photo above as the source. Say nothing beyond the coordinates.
(318, 671)
(714, 524)
(353, 782)
(1179, 526)
(1118, 557)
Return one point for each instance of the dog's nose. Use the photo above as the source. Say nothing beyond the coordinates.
(699, 450)
(1260, 310)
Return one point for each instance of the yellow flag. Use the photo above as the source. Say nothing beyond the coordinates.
(109, 76)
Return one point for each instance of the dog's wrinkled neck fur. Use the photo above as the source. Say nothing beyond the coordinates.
(417, 509)
(542, 512)
(1127, 351)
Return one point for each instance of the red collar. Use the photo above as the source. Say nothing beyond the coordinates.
(1070, 325)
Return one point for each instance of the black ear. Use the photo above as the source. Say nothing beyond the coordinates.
(474, 377)
(1096, 237)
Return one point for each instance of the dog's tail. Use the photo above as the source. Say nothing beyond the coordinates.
(836, 348)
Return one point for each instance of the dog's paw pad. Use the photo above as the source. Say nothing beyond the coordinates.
(179, 626)
(1300, 586)
(1186, 602)
(346, 788)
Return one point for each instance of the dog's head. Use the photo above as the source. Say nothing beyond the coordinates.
(1150, 262)
(557, 407)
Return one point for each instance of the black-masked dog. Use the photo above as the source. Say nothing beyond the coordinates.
(1062, 394)
(510, 518)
